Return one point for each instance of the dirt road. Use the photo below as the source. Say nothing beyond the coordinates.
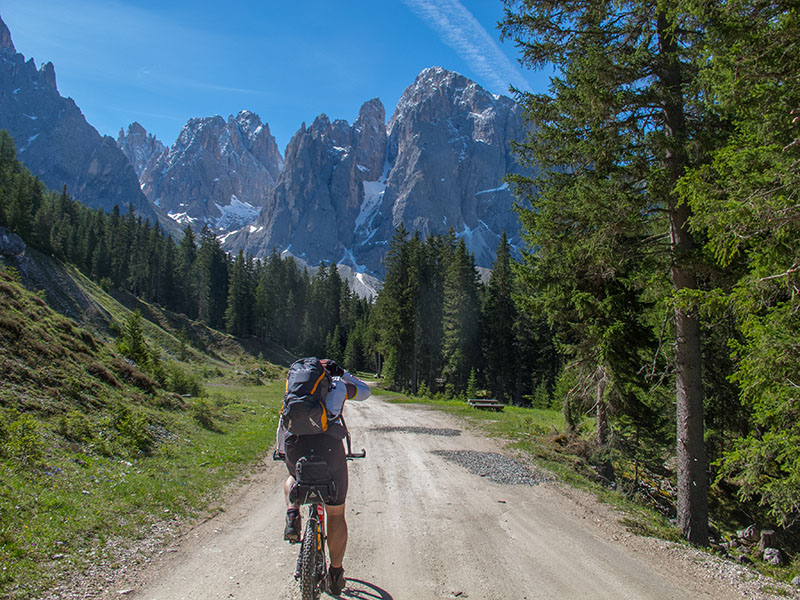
(423, 527)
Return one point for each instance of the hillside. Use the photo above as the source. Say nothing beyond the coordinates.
(93, 448)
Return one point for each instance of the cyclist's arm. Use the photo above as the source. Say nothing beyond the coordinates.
(356, 389)
(280, 436)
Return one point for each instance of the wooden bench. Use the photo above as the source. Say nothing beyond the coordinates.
(485, 403)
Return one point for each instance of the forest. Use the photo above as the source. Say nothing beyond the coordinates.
(658, 286)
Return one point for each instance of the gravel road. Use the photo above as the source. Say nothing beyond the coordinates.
(436, 511)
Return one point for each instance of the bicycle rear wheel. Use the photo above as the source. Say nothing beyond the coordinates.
(308, 568)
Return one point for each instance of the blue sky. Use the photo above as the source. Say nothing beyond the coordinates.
(161, 63)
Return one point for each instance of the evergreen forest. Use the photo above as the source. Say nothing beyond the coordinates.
(658, 286)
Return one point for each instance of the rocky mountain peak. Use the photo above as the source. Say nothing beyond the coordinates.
(56, 143)
(369, 139)
(47, 73)
(440, 165)
(438, 93)
(5, 38)
(140, 147)
(217, 172)
(249, 122)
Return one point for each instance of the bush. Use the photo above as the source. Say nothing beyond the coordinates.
(203, 413)
(423, 391)
(134, 428)
(100, 372)
(75, 426)
(25, 441)
(182, 382)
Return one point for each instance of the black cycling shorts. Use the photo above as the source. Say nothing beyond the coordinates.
(328, 447)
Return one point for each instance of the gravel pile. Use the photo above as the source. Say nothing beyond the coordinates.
(423, 430)
(496, 467)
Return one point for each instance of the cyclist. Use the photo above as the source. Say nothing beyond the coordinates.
(329, 446)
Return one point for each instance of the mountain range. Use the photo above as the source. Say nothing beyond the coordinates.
(337, 193)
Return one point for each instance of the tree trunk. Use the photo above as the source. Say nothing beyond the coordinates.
(691, 454)
(606, 468)
(602, 409)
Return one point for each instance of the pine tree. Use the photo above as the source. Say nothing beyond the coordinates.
(499, 318)
(237, 314)
(461, 312)
(745, 200)
(394, 313)
(613, 137)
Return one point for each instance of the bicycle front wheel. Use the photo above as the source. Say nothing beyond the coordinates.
(308, 568)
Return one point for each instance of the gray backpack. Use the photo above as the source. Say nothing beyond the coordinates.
(307, 386)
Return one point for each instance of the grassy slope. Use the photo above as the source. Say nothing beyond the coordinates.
(92, 452)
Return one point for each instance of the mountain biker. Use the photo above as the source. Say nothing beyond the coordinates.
(329, 446)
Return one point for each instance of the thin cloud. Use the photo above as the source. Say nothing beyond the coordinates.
(457, 28)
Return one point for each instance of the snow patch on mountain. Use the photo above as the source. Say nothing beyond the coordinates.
(235, 215)
(373, 195)
(497, 189)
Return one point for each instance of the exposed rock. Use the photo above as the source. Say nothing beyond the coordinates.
(5, 38)
(10, 243)
(56, 143)
(216, 173)
(743, 559)
(768, 540)
(438, 165)
(140, 147)
(796, 581)
(317, 199)
(749, 534)
(773, 556)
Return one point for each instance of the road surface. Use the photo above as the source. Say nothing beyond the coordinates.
(423, 527)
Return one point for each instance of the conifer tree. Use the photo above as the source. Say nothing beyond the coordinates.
(499, 318)
(394, 313)
(613, 136)
(461, 312)
(745, 200)
(237, 314)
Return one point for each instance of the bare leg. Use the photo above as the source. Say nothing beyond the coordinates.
(287, 486)
(337, 534)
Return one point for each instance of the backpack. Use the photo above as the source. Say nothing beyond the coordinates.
(307, 385)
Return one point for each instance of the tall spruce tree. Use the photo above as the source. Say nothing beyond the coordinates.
(394, 313)
(460, 319)
(499, 318)
(238, 311)
(746, 200)
(615, 131)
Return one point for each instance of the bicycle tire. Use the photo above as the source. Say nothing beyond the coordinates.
(308, 568)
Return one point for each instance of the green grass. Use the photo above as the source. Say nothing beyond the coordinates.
(93, 451)
(63, 512)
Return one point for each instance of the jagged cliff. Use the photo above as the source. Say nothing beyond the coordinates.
(218, 173)
(438, 164)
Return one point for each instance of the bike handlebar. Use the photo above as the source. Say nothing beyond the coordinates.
(280, 456)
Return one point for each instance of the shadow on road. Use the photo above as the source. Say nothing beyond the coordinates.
(362, 590)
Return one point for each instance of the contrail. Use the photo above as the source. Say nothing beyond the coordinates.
(457, 28)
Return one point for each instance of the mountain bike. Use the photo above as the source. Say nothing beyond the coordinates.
(313, 489)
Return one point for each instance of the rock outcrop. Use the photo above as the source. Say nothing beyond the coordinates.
(141, 148)
(56, 143)
(218, 173)
(320, 193)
